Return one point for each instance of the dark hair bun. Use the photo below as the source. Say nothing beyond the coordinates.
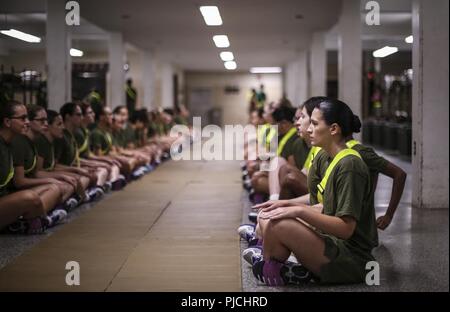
(356, 125)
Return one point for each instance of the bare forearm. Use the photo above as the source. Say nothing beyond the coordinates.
(24, 182)
(398, 186)
(302, 200)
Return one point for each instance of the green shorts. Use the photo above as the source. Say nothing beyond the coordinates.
(345, 266)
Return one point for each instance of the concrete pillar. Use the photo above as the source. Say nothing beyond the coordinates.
(116, 57)
(430, 108)
(318, 65)
(59, 65)
(350, 56)
(296, 79)
(148, 80)
(167, 99)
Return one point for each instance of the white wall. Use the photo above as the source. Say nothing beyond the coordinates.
(234, 106)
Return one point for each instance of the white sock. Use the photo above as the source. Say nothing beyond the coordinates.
(274, 197)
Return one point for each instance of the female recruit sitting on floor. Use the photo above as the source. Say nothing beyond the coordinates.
(336, 244)
(82, 136)
(284, 117)
(54, 193)
(46, 129)
(33, 203)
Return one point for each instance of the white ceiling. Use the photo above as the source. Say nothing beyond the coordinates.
(261, 32)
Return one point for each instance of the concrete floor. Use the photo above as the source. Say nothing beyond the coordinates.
(413, 251)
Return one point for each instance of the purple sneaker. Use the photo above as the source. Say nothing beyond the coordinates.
(274, 273)
(246, 231)
(252, 255)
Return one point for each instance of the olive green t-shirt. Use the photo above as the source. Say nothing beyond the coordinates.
(301, 151)
(102, 140)
(348, 193)
(288, 148)
(46, 150)
(129, 135)
(66, 149)
(24, 153)
(81, 136)
(373, 161)
(6, 167)
(180, 120)
(118, 138)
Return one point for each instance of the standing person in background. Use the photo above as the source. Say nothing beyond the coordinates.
(131, 96)
(261, 97)
(253, 102)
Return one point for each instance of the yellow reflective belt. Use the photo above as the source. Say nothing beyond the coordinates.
(10, 174)
(84, 146)
(76, 160)
(262, 132)
(312, 153)
(321, 186)
(108, 141)
(285, 138)
(32, 166)
(352, 143)
(131, 93)
(270, 136)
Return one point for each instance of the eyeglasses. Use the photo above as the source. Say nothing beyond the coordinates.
(41, 120)
(23, 117)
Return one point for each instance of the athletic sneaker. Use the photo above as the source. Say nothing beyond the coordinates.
(95, 193)
(71, 203)
(107, 187)
(137, 174)
(274, 273)
(252, 255)
(253, 216)
(56, 216)
(119, 184)
(247, 184)
(255, 242)
(30, 227)
(247, 231)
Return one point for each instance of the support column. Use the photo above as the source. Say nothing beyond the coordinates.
(430, 104)
(350, 56)
(318, 66)
(59, 65)
(148, 80)
(167, 86)
(302, 79)
(116, 88)
(296, 79)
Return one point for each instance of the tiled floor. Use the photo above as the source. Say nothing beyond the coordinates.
(413, 252)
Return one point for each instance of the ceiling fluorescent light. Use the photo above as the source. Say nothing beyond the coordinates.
(21, 35)
(221, 41)
(383, 52)
(409, 39)
(265, 70)
(211, 15)
(76, 53)
(230, 65)
(226, 56)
